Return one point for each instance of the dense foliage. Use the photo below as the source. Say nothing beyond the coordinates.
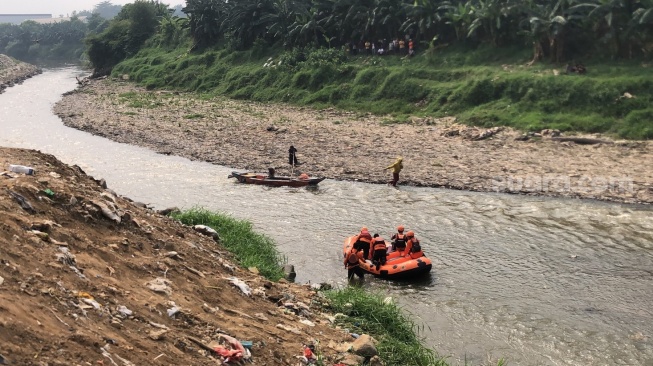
(34, 42)
(558, 30)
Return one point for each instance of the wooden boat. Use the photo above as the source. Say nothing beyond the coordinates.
(264, 179)
(396, 267)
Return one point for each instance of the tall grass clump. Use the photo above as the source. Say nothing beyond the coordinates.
(399, 344)
(249, 248)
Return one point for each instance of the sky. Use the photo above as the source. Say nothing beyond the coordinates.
(59, 7)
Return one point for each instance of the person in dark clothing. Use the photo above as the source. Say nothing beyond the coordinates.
(292, 156)
(270, 172)
(379, 251)
(399, 239)
(352, 264)
(364, 242)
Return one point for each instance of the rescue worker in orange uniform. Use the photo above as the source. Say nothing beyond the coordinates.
(413, 247)
(352, 264)
(379, 251)
(399, 239)
(364, 242)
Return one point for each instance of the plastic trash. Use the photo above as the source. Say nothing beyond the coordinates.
(246, 344)
(124, 311)
(241, 285)
(173, 310)
(21, 169)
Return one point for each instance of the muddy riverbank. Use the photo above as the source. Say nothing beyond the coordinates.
(350, 146)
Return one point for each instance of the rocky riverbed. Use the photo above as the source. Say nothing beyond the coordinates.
(354, 146)
(14, 72)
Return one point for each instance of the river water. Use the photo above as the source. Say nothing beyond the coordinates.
(538, 281)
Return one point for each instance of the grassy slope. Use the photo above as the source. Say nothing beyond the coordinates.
(474, 86)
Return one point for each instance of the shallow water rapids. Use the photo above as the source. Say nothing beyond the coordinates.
(535, 280)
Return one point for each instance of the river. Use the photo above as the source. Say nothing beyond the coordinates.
(538, 281)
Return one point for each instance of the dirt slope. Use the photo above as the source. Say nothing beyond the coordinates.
(61, 256)
(13, 72)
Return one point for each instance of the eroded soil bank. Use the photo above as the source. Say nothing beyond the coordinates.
(14, 72)
(349, 146)
(89, 277)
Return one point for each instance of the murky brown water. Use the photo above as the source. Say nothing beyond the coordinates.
(537, 281)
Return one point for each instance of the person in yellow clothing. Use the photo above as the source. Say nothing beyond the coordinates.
(396, 168)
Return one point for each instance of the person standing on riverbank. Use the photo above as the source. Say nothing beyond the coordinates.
(292, 156)
(396, 167)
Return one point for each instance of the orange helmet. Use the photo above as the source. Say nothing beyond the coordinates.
(400, 228)
(410, 234)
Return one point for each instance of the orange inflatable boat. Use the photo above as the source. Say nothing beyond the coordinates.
(396, 267)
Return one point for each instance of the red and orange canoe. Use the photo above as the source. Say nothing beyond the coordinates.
(396, 267)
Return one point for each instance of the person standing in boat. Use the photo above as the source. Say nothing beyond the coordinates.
(379, 251)
(396, 167)
(363, 242)
(292, 156)
(399, 239)
(413, 247)
(353, 265)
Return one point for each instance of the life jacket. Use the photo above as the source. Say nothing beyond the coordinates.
(400, 240)
(416, 247)
(367, 238)
(379, 244)
(352, 258)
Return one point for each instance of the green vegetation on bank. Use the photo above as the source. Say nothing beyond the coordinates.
(397, 334)
(249, 248)
(487, 62)
(398, 345)
(485, 87)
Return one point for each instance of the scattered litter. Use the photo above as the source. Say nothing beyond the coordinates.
(203, 229)
(21, 169)
(355, 335)
(308, 357)
(49, 192)
(3, 361)
(107, 212)
(2, 280)
(241, 285)
(173, 310)
(24, 203)
(93, 303)
(54, 175)
(246, 344)
(160, 285)
(66, 257)
(159, 356)
(124, 311)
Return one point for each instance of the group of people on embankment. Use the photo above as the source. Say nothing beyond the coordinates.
(399, 46)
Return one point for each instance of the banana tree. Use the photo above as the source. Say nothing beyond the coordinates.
(547, 28)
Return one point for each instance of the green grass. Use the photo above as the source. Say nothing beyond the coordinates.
(249, 248)
(485, 87)
(399, 344)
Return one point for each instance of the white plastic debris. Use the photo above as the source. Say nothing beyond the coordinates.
(173, 310)
(124, 311)
(93, 303)
(241, 285)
